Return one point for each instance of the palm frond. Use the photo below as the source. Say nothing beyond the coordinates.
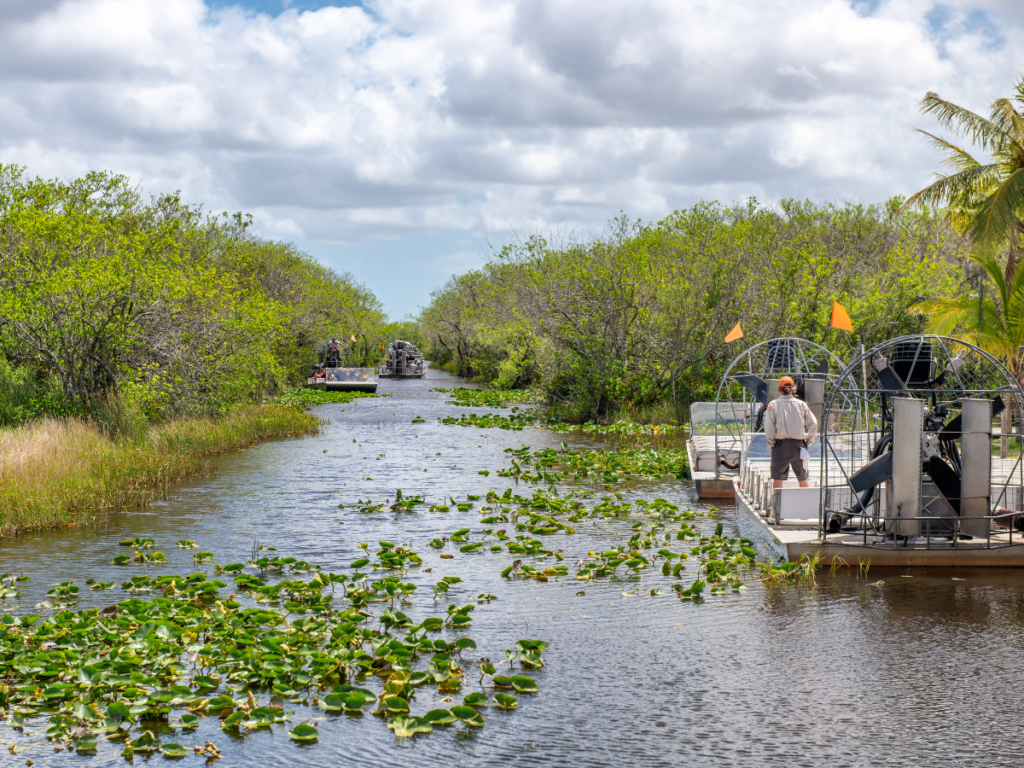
(980, 131)
(959, 158)
(997, 214)
(1005, 115)
(945, 321)
(956, 188)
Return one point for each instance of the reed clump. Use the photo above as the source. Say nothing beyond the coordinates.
(56, 471)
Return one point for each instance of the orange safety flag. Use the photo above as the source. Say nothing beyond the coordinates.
(735, 333)
(840, 317)
(353, 338)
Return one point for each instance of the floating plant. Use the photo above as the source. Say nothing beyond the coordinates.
(128, 671)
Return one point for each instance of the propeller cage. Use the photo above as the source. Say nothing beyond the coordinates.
(752, 381)
(922, 447)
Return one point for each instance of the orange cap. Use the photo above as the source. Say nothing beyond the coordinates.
(787, 380)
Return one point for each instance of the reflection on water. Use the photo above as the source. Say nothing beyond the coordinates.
(913, 671)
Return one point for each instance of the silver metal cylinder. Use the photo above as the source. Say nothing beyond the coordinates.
(814, 396)
(976, 459)
(905, 486)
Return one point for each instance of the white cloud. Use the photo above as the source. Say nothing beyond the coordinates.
(342, 125)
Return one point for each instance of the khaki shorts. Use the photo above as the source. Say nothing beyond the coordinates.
(786, 454)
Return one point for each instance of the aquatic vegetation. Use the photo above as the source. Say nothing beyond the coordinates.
(606, 467)
(804, 571)
(718, 558)
(488, 398)
(402, 503)
(515, 421)
(303, 397)
(622, 428)
(132, 671)
(138, 543)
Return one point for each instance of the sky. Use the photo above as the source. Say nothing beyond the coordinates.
(400, 140)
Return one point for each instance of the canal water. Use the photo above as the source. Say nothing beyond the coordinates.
(909, 667)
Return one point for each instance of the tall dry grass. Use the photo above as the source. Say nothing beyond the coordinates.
(55, 472)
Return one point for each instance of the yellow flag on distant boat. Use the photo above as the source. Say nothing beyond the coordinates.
(840, 317)
(735, 333)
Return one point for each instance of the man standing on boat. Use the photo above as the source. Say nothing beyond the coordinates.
(790, 429)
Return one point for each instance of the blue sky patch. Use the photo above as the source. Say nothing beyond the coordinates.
(277, 7)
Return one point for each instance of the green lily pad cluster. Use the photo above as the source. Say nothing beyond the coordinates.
(8, 585)
(515, 421)
(621, 428)
(302, 398)
(134, 671)
(488, 398)
(138, 543)
(141, 556)
(718, 558)
(606, 467)
(802, 571)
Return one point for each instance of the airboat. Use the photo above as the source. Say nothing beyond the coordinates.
(918, 463)
(404, 361)
(750, 382)
(334, 370)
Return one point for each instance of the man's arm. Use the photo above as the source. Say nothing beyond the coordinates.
(810, 426)
(769, 426)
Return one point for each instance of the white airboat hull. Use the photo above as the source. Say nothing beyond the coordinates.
(798, 538)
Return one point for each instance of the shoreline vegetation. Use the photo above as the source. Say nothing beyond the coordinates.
(630, 323)
(60, 471)
(141, 337)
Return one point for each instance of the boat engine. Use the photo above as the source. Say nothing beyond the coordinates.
(930, 470)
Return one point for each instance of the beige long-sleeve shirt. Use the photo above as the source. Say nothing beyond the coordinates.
(789, 419)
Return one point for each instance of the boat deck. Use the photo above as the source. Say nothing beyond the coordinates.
(700, 450)
(798, 538)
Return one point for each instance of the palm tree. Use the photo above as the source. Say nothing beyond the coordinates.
(998, 328)
(997, 325)
(985, 200)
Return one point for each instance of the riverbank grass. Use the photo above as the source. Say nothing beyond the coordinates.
(55, 472)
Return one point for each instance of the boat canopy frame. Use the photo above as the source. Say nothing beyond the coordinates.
(735, 405)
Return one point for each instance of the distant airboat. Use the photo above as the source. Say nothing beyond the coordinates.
(404, 361)
(334, 370)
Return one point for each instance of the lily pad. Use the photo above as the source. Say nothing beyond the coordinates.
(406, 727)
(146, 743)
(173, 750)
(505, 701)
(396, 704)
(440, 717)
(86, 743)
(332, 702)
(524, 684)
(303, 732)
(463, 712)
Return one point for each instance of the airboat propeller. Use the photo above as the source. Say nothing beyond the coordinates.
(916, 414)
